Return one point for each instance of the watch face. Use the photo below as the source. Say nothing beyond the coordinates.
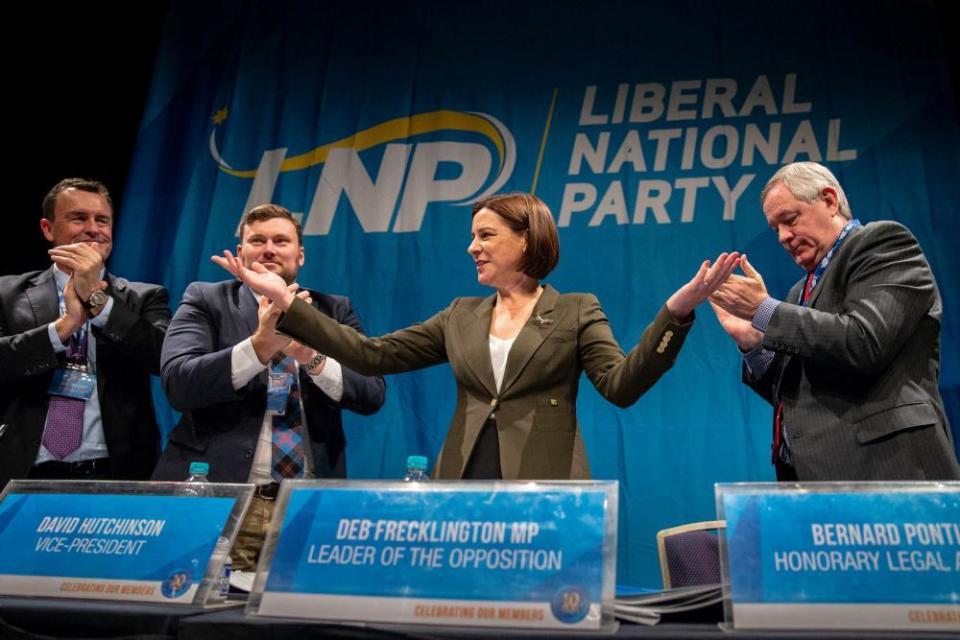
(97, 298)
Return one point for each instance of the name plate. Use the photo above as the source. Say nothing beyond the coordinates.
(870, 555)
(532, 554)
(115, 540)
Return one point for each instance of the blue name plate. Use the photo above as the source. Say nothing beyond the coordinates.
(843, 555)
(110, 545)
(451, 553)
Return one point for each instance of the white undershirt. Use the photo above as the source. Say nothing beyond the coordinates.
(499, 350)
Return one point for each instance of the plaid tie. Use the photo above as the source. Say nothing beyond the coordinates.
(64, 428)
(288, 454)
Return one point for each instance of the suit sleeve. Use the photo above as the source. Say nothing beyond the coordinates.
(888, 289)
(361, 394)
(138, 323)
(25, 354)
(421, 345)
(764, 385)
(620, 378)
(194, 374)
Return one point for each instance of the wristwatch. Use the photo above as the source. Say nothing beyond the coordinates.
(97, 299)
(316, 362)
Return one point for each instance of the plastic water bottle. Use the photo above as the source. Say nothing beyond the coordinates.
(222, 586)
(416, 469)
(197, 483)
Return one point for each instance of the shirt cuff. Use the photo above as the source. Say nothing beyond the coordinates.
(330, 379)
(104, 315)
(58, 346)
(764, 313)
(244, 364)
(757, 361)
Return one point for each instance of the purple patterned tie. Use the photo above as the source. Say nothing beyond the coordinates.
(64, 427)
(288, 454)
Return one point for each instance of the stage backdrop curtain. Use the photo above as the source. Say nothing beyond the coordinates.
(648, 128)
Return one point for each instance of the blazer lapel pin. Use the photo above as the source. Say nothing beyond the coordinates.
(542, 322)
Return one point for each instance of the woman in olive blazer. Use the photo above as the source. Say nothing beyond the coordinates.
(517, 355)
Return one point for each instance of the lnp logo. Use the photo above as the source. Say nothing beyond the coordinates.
(415, 169)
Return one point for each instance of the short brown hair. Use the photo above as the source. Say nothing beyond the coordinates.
(81, 184)
(526, 213)
(268, 212)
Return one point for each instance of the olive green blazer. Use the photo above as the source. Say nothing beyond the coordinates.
(536, 405)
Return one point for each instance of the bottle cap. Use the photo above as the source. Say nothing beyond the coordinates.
(199, 468)
(417, 462)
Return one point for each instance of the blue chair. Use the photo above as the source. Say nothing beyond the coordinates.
(690, 554)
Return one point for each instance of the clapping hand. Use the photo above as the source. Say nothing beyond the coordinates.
(707, 279)
(741, 295)
(299, 352)
(84, 263)
(259, 279)
(74, 314)
(736, 302)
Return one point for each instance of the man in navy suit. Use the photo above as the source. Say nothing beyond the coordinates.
(98, 421)
(218, 359)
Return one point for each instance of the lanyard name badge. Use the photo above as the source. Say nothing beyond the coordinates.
(74, 379)
(278, 391)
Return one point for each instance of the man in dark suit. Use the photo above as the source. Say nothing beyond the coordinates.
(850, 360)
(221, 357)
(78, 346)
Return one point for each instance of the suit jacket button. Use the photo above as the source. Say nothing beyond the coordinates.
(248, 454)
(493, 402)
(553, 402)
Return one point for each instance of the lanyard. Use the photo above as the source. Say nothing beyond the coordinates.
(814, 278)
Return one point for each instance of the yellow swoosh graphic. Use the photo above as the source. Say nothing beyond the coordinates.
(396, 129)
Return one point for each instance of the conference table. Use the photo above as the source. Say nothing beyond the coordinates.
(36, 619)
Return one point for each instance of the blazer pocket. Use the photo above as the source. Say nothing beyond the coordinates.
(904, 416)
(554, 414)
(562, 335)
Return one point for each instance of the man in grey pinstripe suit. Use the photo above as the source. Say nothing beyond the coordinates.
(850, 359)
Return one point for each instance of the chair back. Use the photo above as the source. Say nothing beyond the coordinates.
(690, 554)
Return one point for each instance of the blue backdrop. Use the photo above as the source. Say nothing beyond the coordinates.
(649, 129)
